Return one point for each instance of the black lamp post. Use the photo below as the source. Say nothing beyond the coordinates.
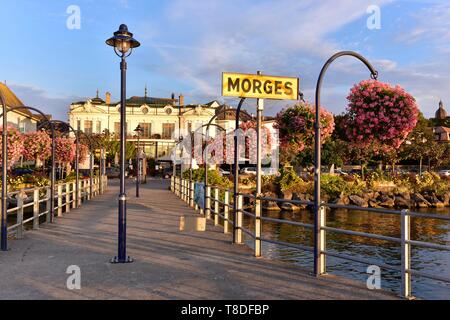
(4, 228)
(123, 43)
(138, 131)
(317, 152)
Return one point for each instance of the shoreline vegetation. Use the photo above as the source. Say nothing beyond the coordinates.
(377, 190)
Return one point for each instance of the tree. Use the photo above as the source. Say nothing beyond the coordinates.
(37, 146)
(379, 118)
(296, 130)
(15, 145)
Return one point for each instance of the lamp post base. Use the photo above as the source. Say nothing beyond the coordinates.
(116, 260)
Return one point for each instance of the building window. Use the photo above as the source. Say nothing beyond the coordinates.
(78, 125)
(168, 129)
(117, 129)
(88, 127)
(147, 130)
(144, 110)
(169, 111)
(189, 127)
(99, 126)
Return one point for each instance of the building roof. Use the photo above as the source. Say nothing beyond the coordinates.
(226, 112)
(151, 101)
(441, 113)
(13, 101)
(441, 129)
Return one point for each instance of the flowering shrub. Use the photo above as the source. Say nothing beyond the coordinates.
(15, 145)
(296, 127)
(65, 150)
(379, 116)
(37, 145)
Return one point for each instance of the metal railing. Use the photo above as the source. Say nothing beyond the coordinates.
(219, 209)
(36, 202)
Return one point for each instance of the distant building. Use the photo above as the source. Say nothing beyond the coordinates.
(441, 120)
(441, 134)
(160, 118)
(441, 114)
(22, 119)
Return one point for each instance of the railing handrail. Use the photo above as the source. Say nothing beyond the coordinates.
(404, 240)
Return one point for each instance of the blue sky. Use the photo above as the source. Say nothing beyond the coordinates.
(186, 44)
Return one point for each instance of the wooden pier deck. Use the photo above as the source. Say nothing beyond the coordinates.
(169, 264)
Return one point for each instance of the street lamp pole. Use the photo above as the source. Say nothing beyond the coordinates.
(318, 239)
(123, 43)
(138, 131)
(4, 229)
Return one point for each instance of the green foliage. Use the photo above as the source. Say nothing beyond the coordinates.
(288, 181)
(214, 177)
(430, 182)
(334, 186)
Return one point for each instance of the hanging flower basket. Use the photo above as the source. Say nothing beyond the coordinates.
(379, 116)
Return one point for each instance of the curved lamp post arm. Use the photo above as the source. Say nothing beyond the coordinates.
(318, 268)
(4, 115)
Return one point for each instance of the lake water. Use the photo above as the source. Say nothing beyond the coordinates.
(423, 259)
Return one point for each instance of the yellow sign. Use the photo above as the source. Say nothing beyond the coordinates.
(259, 86)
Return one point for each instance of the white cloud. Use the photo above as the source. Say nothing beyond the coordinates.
(39, 98)
(277, 37)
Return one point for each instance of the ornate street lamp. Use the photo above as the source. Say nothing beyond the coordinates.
(123, 43)
(139, 130)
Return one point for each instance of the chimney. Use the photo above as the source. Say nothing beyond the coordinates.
(108, 98)
(181, 101)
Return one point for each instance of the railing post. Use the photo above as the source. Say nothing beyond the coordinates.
(208, 203)
(191, 193)
(322, 241)
(89, 189)
(216, 206)
(20, 196)
(406, 254)
(183, 190)
(48, 205)
(59, 200)
(239, 217)
(67, 203)
(258, 221)
(80, 187)
(226, 223)
(36, 208)
(74, 196)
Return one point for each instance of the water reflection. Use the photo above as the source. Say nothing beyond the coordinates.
(379, 251)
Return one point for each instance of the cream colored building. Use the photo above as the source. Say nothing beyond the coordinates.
(22, 119)
(161, 118)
